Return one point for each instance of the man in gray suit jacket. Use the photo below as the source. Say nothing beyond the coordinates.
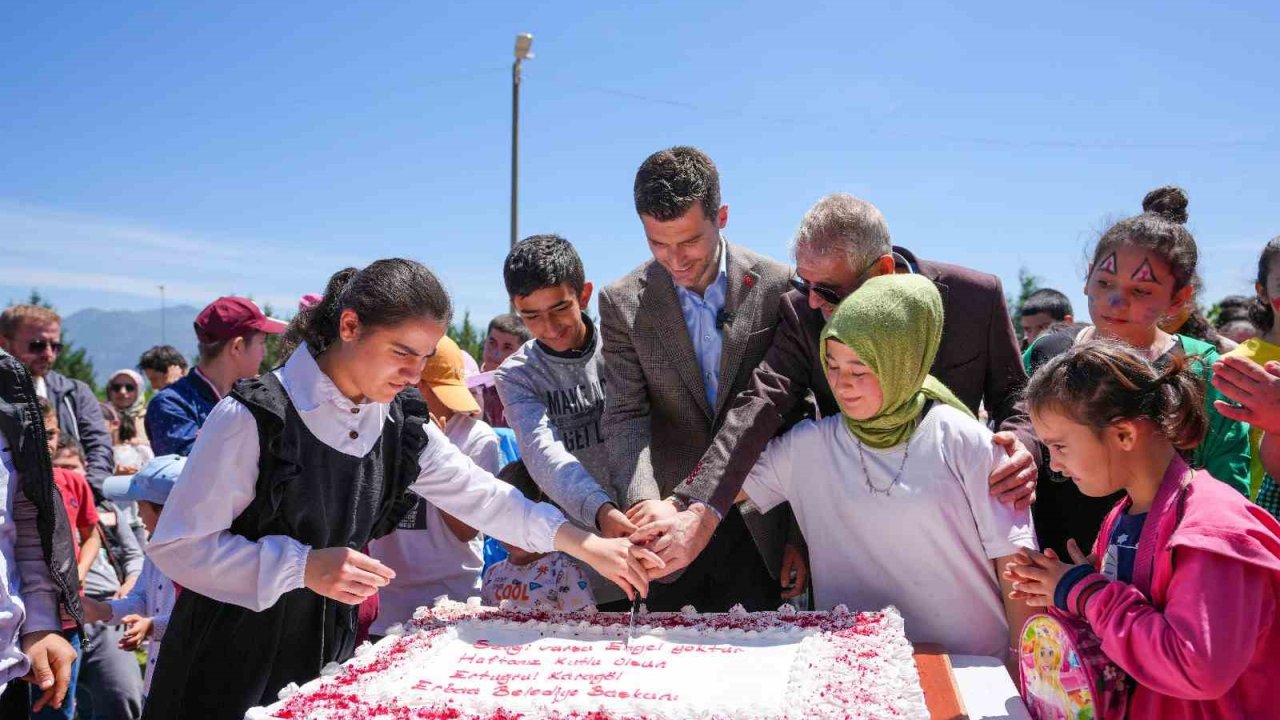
(682, 334)
(842, 241)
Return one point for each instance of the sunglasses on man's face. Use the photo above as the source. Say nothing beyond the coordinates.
(123, 387)
(827, 294)
(39, 346)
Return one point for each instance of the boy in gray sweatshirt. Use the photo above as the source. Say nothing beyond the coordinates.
(553, 387)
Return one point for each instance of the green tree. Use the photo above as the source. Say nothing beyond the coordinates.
(73, 362)
(1027, 284)
(275, 355)
(467, 337)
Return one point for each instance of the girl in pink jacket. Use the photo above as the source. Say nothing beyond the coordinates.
(1183, 584)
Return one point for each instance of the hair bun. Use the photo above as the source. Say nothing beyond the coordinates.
(1169, 202)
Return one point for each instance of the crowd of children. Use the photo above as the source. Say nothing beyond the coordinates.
(327, 499)
(1182, 583)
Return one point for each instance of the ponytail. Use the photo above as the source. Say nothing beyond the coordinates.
(1179, 405)
(317, 325)
(386, 292)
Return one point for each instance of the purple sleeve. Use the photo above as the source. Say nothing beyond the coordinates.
(39, 594)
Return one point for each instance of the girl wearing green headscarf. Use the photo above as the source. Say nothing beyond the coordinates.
(892, 493)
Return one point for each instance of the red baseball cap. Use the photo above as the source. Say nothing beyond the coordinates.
(232, 317)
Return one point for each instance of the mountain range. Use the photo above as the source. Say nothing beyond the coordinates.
(114, 339)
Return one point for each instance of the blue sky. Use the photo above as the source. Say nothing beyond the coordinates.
(254, 148)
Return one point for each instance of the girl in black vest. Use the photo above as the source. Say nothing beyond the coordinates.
(295, 470)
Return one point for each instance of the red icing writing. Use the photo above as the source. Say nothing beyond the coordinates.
(631, 662)
(449, 689)
(632, 649)
(577, 662)
(498, 660)
(565, 676)
(709, 649)
(498, 677)
(555, 693)
(601, 691)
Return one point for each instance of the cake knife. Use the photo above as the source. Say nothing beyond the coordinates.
(631, 626)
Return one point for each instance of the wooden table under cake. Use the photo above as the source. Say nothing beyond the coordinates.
(962, 687)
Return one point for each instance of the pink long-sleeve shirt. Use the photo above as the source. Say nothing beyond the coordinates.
(1197, 629)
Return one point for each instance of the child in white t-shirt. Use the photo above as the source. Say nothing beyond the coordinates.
(892, 494)
(433, 553)
(145, 610)
(534, 581)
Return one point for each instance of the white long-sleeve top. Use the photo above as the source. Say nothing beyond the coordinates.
(193, 544)
(428, 558)
(153, 597)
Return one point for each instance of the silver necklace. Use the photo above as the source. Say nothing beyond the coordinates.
(906, 451)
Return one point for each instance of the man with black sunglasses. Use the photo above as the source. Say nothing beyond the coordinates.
(828, 296)
(33, 335)
(841, 243)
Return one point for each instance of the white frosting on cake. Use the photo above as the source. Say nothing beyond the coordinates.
(745, 666)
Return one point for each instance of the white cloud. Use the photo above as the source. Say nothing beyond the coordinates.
(47, 248)
(175, 292)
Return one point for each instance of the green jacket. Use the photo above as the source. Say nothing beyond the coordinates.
(1225, 449)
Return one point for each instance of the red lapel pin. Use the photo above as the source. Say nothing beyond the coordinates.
(748, 280)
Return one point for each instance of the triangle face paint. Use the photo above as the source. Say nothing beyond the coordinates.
(1144, 273)
(1108, 265)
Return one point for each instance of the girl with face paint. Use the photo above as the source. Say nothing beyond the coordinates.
(1143, 269)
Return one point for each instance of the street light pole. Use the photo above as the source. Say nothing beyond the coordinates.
(524, 41)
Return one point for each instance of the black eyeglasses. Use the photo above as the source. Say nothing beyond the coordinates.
(123, 387)
(37, 346)
(827, 294)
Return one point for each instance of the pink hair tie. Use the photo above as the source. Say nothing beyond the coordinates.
(309, 300)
